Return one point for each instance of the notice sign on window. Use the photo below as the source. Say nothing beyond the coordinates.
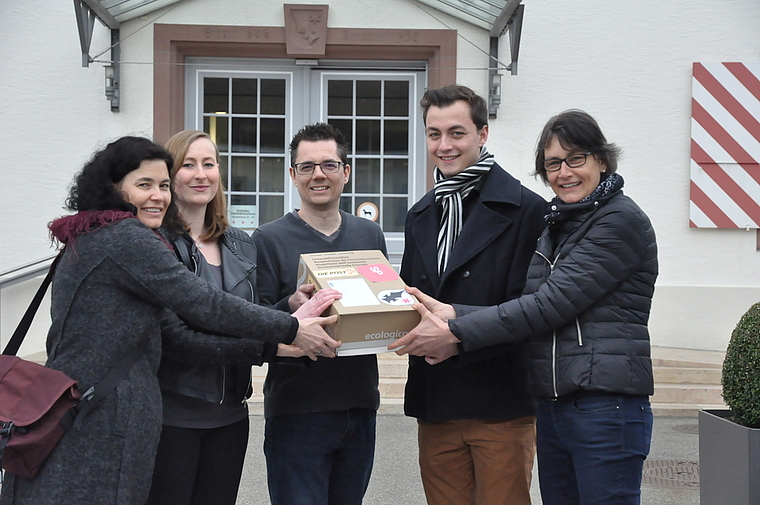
(244, 216)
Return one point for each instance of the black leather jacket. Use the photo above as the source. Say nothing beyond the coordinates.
(200, 365)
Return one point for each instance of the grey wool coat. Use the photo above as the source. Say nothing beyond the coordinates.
(109, 293)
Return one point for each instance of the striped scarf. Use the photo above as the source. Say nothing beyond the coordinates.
(449, 192)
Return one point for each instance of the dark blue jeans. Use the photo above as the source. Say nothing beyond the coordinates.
(591, 448)
(322, 458)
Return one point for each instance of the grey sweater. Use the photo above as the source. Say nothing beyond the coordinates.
(108, 295)
(350, 380)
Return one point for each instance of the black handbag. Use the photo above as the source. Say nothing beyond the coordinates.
(38, 404)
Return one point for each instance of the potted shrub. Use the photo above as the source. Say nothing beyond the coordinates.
(729, 440)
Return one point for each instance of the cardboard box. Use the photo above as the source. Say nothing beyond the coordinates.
(375, 309)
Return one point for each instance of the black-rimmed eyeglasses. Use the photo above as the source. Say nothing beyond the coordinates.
(572, 161)
(328, 167)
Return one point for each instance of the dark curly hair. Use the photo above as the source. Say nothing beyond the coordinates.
(319, 131)
(94, 187)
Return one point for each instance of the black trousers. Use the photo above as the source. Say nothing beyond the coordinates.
(199, 466)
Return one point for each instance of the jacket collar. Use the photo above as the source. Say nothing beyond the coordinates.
(496, 187)
(561, 212)
(235, 266)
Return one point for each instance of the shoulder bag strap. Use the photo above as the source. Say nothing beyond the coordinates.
(93, 396)
(23, 327)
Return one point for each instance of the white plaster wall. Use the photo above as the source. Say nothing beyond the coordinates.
(54, 114)
(14, 301)
(627, 63)
(52, 111)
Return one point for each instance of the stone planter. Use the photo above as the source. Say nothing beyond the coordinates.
(729, 460)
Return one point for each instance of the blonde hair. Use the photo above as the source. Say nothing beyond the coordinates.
(215, 222)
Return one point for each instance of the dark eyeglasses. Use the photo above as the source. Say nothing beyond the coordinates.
(572, 161)
(328, 167)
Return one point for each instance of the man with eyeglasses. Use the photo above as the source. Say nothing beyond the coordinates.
(320, 419)
(470, 240)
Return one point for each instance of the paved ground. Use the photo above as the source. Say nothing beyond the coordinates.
(395, 478)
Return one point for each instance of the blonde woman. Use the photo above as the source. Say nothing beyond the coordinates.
(205, 379)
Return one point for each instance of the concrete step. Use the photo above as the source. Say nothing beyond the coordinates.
(686, 381)
(391, 365)
(688, 393)
(38, 357)
(686, 358)
(258, 374)
(682, 409)
(684, 375)
(391, 388)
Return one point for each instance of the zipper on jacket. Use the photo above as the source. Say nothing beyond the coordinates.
(580, 335)
(554, 363)
(554, 333)
(248, 391)
(232, 247)
(244, 277)
(551, 265)
(224, 383)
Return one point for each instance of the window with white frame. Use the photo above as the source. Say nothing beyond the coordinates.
(252, 110)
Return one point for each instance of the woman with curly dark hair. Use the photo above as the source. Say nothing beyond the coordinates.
(114, 280)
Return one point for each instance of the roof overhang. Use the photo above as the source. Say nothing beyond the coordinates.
(492, 15)
(495, 16)
(114, 12)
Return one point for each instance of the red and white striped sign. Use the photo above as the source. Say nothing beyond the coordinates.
(725, 146)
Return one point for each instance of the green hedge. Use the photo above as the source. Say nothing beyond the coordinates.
(741, 370)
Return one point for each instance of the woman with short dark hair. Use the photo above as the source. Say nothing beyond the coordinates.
(109, 292)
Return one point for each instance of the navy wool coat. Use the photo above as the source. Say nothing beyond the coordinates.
(487, 267)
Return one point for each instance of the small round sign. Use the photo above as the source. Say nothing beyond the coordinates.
(367, 210)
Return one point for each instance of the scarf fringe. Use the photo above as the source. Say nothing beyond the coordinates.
(66, 229)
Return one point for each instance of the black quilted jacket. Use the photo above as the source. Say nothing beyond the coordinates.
(586, 303)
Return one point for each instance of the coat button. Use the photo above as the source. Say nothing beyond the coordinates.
(423, 278)
(465, 274)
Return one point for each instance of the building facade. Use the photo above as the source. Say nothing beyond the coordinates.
(251, 73)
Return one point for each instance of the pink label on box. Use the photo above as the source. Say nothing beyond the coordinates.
(377, 273)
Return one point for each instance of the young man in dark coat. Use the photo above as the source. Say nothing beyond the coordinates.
(470, 240)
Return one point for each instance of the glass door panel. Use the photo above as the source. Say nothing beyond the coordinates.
(374, 112)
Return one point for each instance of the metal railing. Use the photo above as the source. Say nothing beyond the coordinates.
(25, 272)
